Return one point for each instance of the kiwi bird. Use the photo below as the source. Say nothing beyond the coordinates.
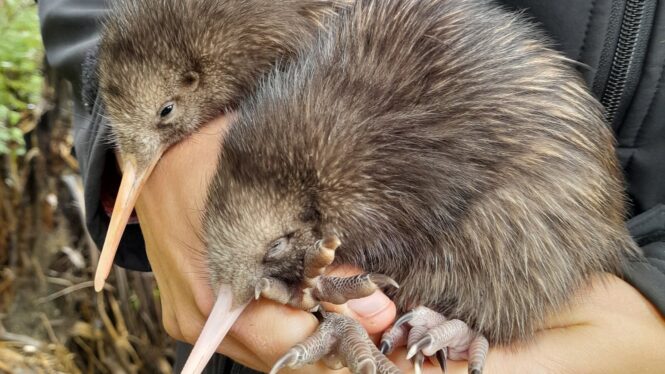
(441, 144)
(167, 67)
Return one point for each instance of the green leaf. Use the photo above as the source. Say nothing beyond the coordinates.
(20, 51)
(16, 134)
(14, 117)
(135, 302)
(20, 151)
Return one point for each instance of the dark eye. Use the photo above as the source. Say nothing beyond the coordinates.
(166, 110)
(279, 247)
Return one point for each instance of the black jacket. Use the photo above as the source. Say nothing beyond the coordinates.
(618, 42)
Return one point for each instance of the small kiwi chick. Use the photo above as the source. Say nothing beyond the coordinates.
(167, 67)
(440, 143)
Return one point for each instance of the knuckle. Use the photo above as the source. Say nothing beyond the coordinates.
(189, 335)
(172, 329)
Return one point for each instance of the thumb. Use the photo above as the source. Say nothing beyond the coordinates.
(375, 312)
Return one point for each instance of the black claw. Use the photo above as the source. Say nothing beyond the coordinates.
(383, 281)
(441, 357)
(385, 347)
(475, 371)
(404, 319)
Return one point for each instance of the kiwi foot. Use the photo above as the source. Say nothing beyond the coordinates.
(427, 333)
(339, 341)
(315, 287)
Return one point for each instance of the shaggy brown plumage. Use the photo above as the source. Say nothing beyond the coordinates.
(166, 67)
(201, 57)
(446, 146)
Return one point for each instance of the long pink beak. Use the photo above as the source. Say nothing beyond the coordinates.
(133, 179)
(220, 320)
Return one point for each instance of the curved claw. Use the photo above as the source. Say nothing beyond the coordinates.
(418, 363)
(477, 354)
(318, 258)
(290, 358)
(385, 347)
(383, 280)
(331, 242)
(404, 319)
(263, 284)
(424, 342)
(441, 357)
(273, 289)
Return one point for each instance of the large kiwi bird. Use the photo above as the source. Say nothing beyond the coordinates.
(167, 67)
(439, 143)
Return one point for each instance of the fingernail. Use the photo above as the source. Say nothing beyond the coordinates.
(369, 306)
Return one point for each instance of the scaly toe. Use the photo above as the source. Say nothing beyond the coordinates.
(319, 257)
(396, 336)
(338, 290)
(431, 334)
(366, 367)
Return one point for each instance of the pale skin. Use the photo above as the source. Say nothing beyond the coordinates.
(610, 328)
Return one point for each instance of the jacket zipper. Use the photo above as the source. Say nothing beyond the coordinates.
(623, 57)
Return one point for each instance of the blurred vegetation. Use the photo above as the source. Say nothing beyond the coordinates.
(51, 320)
(20, 76)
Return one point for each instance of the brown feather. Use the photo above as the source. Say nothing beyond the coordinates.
(447, 146)
(206, 56)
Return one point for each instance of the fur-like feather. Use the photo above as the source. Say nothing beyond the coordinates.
(447, 146)
(204, 56)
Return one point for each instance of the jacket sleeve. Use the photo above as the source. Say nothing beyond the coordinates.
(70, 32)
(648, 274)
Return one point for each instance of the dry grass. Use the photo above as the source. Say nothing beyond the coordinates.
(51, 320)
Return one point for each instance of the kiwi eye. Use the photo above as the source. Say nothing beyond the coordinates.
(278, 247)
(166, 110)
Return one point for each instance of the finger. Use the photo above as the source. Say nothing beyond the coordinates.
(257, 329)
(339, 290)
(375, 312)
(268, 341)
(187, 329)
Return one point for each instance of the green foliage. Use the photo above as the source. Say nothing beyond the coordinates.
(20, 75)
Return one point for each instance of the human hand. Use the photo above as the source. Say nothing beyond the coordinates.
(169, 212)
(609, 328)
